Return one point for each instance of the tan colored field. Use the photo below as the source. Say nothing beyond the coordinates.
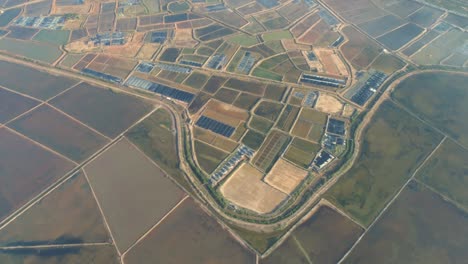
(328, 104)
(245, 188)
(134, 194)
(290, 44)
(225, 113)
(285, 177)
(348, 110)
(147, 51)
(183, 38)
(331, 62)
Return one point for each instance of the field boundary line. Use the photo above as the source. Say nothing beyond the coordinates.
(301, 248)
(102, 212)
(155, 225)
(340, 211)
(392, 200)
(95, 244)
(41, 145)
(445, 197)
(41, 102)
(427, 123)
(77, 121)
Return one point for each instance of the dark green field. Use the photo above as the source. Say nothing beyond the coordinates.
(420, 227)
(439, 98)
(394, 144)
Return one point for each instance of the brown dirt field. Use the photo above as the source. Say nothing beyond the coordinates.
(326, 56)
(84, 9)
(224, 144)
(189, 235)
(348, 110)
(57, 215)
(225, 113)
(285, 177)
(133, 193)
(204, 135)
(130, 49)
(301, 128)
(245, 188)
(328, 104)
(183, 38)
(304, 25)
(26, 169)
(59, 132)
(147, 51)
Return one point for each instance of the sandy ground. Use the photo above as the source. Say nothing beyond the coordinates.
(183, 38)
(331, 62)
(245, 188)
(285, 177)
(328, 104)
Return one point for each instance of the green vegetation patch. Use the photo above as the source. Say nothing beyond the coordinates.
(262, 73)
(155, 138)
(277, 35)
(269, 110)
(393, 145)
(253, 139)
(420, 227)
(246, 101)
(275, 92)
(196, 80)
(208, 157)
(302, 152)
(447, 172)
(243, 40)
(226, 95)
(260, 124)
(55, 37)
(439, 98)
(288, 117)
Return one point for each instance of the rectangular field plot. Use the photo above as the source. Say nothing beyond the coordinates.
(38, 51)
(446, 172)
(274, 145)
(393, 146)
(134, 194)
(246, 189)
(12, 105)
(420, 227)
(285, 177)
(189, 235)
(215, 126)
(32, 82)
(428, 95)
(59, 255)
(397, 38)
(301, 152)
(381, 25)
(107, 111)
(26, 169)
(57, 131)
(323, 238)
(68, 215)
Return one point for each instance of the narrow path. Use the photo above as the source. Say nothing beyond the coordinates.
(301, 248)
(392, 200)
(58, 246)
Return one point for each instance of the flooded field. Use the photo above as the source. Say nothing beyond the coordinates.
(133, 193)
(420, 227)
(25, 170)
(189, 235)
(107, 111)
(323, 238)
(59, 132)
(439, 98)
(394, 144)
(68, 215)
(32, 82)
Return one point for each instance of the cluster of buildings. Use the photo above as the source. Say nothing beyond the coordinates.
(225, 168)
